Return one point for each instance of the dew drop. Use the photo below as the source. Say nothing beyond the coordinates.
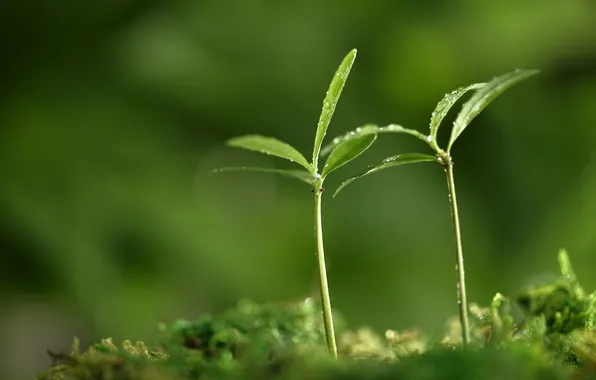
(429, 138)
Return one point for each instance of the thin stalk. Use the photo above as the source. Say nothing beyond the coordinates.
(459, 266)
(325, 299)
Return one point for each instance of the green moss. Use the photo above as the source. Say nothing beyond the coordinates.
(545, 332)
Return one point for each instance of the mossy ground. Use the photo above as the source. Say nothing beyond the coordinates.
(545, 332)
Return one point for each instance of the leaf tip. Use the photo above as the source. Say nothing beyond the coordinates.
(350, 58)
(337, 191)
(233, 141)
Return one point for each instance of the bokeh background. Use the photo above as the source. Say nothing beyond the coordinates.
(112, 114)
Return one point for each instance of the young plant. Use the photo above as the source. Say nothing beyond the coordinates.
(485, 93)
(341, 154)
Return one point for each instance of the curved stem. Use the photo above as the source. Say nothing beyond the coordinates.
(459, 266)
(325, 299)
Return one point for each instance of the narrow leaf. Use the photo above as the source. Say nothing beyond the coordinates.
(400, 159)
(331, 99)
(370, 129)
(483, 97)
(271, 146)
(302, 175)
(445, 105)
(346, 152)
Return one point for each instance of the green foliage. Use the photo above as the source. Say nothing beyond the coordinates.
(330, 102)
(562, 303)
(370, 129)
(110, 107)
(443, 108)
(301, 175)
(271, 146)
(485, 93)
(346, 152)
(483, 97)
(342, 153)
(273, 328)
(545, 332)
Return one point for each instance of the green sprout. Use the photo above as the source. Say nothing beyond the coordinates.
(485, 93)
(340, 155)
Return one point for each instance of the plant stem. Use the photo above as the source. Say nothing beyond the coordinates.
(459, 266)
(325, 299)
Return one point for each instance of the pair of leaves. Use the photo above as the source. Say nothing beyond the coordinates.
(443, 108)
(341, 153)
(485, 93)
(483, 97)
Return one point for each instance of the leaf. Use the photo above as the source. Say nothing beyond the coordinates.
(370, 129)
(302, 175)
(346, 152)
(271, 146)
(400, 159)
(331, 99)
(483, 97)
(445, 105)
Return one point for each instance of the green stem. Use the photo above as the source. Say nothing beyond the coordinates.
(459, 266)
(325, 299)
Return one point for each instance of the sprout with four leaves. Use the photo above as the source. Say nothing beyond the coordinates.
(485, 93)
(340, 155)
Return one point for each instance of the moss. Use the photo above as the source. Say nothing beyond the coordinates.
(545, 332)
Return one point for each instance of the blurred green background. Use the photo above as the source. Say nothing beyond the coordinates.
(112, 114)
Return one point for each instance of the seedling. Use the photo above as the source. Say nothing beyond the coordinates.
(341, 154)
(485, 93)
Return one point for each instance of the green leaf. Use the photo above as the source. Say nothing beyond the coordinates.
(445, 105)
(302, 175)
(400, 159)
(483, 97)
(271, 146)
(346, 152)
(370, 129)
(331, 99)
